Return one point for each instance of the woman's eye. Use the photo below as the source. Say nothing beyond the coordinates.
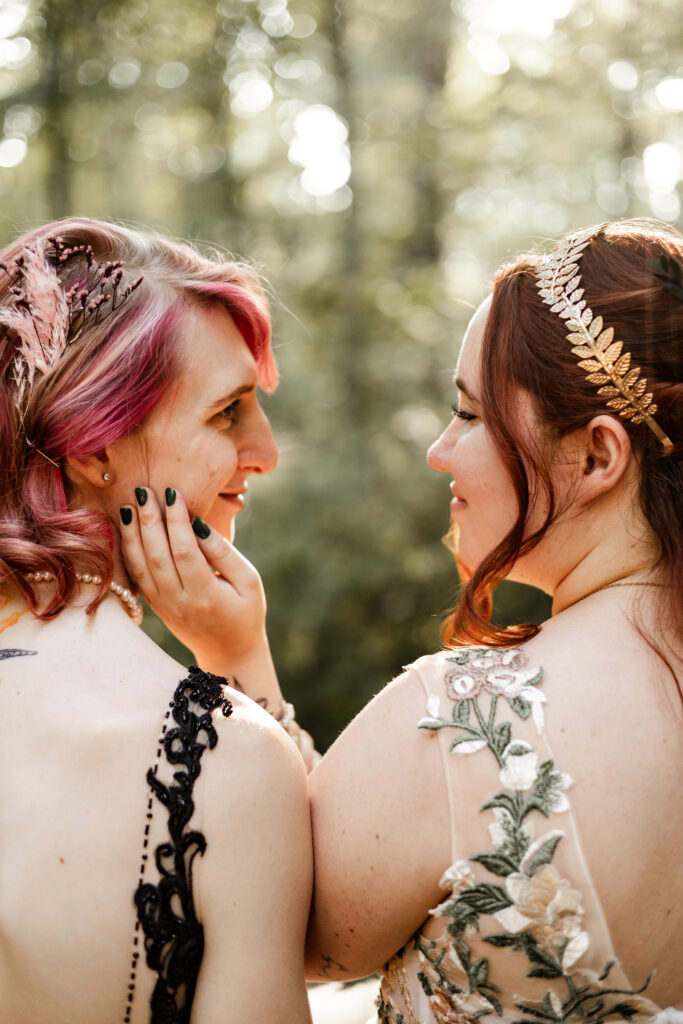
(462, 415)
(229, 414)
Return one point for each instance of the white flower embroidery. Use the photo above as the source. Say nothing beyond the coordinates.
(433, 705)
(557, 797)
(547, 907)
(500, 673)
(457, 877)
(509, 684)
(470, 746)
(461, 686)
(520, 766)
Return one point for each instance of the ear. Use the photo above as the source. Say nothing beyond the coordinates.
(95, 469)
(606, 453)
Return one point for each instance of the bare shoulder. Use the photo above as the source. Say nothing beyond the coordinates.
(381, 833)
(261, 755)
(601, 675)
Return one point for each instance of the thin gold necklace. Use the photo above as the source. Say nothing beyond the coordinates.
(617, 583)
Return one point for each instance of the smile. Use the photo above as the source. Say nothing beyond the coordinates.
(457, 502)
(235, 498)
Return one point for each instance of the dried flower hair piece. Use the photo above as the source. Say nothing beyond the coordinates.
(618, 382)
(45, 318)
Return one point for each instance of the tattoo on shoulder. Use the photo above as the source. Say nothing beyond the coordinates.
(329, 963)
(14, 652)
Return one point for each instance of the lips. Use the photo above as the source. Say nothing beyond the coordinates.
(235, 498)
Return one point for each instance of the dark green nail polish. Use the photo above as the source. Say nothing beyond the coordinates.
(170, 496)
(126, 516)
(141, 495)
(200, 528)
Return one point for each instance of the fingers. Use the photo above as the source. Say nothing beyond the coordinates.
(223, 556)
(145, 545)
(171, 554)
(191, 554)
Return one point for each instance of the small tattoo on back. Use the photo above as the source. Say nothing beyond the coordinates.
(14, 652)
(329, 963)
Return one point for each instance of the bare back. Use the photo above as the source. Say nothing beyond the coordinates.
(83, 705)
(580, 861)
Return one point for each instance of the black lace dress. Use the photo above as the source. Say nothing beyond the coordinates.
(167, 925)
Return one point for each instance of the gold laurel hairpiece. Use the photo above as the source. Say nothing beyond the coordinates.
(618, 382)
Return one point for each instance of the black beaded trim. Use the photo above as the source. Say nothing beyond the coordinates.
(143, 864)
(173, 935)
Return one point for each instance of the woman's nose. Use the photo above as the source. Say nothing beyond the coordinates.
(262, 455)
(439, 453)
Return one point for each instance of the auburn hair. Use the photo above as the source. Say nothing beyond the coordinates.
(102, 387)
(524, 347)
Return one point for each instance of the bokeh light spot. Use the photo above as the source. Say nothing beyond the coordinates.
(12, 152)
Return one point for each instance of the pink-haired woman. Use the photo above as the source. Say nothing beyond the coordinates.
(499, 832)
(155, 855)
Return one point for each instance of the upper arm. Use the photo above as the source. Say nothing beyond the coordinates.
(381, 834)
(254, 883)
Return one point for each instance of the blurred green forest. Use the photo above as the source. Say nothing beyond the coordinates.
(378, 161)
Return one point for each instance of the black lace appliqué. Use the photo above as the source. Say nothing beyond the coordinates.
(174, 937)
(14, 652)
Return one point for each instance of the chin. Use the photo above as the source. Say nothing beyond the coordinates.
(225, 525)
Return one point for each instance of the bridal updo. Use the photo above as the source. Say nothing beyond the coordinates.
(632, 273)
(108, 378)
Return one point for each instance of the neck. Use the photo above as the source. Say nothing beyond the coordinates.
(595, 571)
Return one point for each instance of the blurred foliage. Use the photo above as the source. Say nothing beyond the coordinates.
(378, 162)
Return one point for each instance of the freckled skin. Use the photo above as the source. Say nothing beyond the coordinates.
(193, 442)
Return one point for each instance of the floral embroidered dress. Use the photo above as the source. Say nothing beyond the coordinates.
(520, 935)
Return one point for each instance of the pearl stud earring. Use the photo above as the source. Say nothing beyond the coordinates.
(106, 477)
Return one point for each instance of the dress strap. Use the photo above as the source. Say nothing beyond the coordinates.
(430, 672)
(166, 915)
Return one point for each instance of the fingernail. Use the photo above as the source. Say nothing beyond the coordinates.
(200, 528)
(170, 496)
(140, 495)
(126, 516)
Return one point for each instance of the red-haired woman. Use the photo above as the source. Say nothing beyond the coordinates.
(499, 831)
(155, 855)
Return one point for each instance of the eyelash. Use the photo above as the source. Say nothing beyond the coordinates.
(462, 415)
(229, 414)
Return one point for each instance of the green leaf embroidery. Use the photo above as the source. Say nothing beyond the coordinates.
(582, 1005)
(501, 736)
(425, 982)
(485, 898)
(608, 967)
(520, 706)
(431, 723)
(460, 659)
(461, 712)
(496, 863)
(479, 972)
(504, 940)
(544, 855)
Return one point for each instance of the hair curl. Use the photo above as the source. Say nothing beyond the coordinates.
(103, 386)
(524, 347)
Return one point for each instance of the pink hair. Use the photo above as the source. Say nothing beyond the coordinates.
(101, 389)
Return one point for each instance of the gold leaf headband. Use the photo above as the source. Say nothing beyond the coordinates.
(618, 382)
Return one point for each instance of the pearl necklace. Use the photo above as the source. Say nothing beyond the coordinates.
(127, 599)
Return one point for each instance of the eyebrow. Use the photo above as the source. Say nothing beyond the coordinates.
(461, 386)
(244, 389)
